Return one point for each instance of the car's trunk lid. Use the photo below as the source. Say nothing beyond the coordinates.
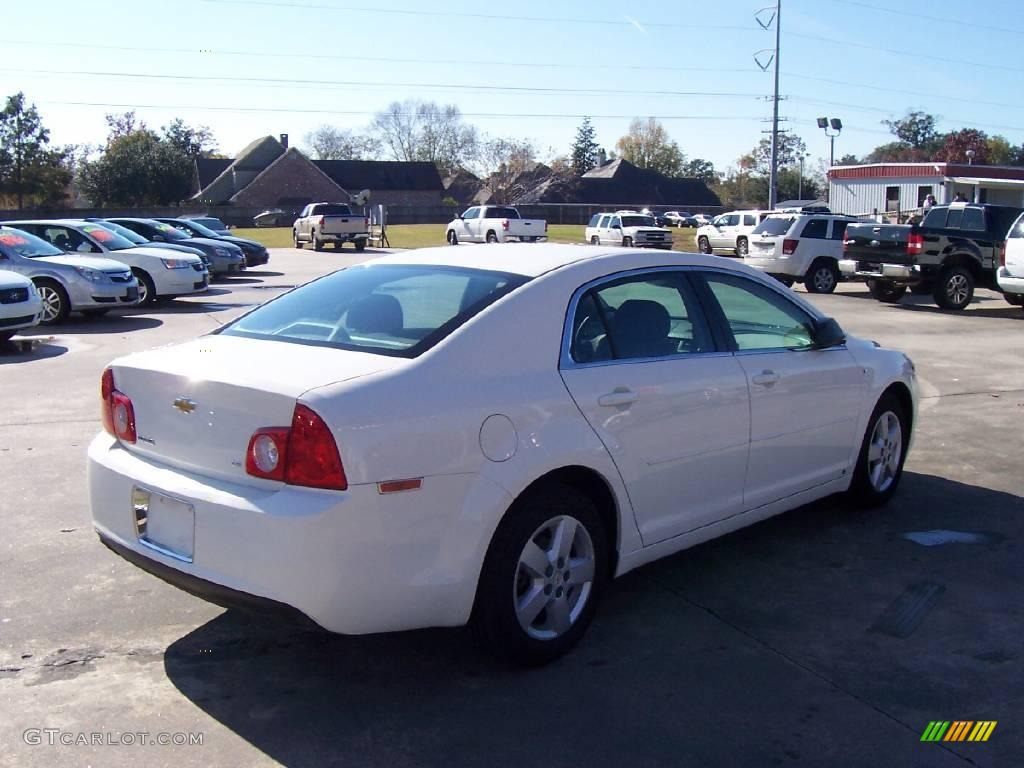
(197, 404)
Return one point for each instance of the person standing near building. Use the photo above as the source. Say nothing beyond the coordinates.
(929, 201)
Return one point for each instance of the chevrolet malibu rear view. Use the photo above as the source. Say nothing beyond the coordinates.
(486, 436)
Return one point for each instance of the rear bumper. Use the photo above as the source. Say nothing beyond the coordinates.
(345, 237)
(902, 273)
(1009, 284)
(353, 562)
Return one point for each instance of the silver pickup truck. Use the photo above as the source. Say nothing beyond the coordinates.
(321, 223)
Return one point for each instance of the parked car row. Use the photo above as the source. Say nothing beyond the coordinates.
(94, 265)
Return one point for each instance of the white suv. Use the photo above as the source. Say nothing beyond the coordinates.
(729, 232)
(800, 248)
(628, 229)
(1010, 274)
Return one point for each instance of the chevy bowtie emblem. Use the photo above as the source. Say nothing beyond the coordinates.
(184, 405)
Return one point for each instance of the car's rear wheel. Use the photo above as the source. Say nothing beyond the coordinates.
(452, 238)
(954, 288)
(886, 291)
(595, 240)
(703, 245)
(492, 237)
(543, 575)
(880, 462)
(295, 239)
(56, 305)
(147, 293)
(742, 246)
(360, 245)
(822, 277)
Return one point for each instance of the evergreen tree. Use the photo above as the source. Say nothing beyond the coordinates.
(585, 148)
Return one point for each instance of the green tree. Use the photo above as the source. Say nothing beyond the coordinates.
(647, 145)
(791, 148)
(29, 169)
(585, 149)
(848, 159)
(700, 169)
(1000, 151)
(915, 129)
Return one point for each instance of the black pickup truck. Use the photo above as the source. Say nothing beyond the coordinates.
(957, 247)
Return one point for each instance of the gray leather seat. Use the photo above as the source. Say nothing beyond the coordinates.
(640, 328)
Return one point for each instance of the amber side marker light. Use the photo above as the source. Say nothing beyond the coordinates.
(395, 486)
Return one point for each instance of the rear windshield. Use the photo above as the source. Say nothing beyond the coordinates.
(193, 227)
(211, 223)
(331, 209)
(14, 241)
(502, 213)
(385, 309)
(779, 226)
(638, 221)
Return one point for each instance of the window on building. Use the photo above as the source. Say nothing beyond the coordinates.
(892, 198)
(922, 192)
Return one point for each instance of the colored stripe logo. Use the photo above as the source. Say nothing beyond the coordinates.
(958, 730)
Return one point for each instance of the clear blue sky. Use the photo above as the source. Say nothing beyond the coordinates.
(840, 58)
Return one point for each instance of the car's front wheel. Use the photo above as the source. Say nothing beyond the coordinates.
(544, 572)
(452, 238)
(880, 462)
(703, 245)
(742, 247)
(147, 292)
(56, 304)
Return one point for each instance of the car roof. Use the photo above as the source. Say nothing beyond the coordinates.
(535, 259)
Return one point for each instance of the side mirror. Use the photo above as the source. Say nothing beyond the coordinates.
(827, 333)
(461, 217)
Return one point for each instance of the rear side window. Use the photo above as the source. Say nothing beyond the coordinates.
(954, 217)
(974, 219)
(749, 220)
(388, 309)
(936, 218)
(816, 228)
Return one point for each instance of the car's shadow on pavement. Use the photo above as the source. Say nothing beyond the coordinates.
(686, 661)
(120, 321)
(27, 349)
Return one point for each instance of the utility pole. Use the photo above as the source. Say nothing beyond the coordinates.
(773, 179)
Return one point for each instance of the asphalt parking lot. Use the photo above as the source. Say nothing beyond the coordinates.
(822, 637)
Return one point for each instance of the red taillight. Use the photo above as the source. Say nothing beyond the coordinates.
(915, 244)
(846, 245)
(504, 224)
(1002, 254)
(321, 222)
(118, 413)
(366, 221)
(789, 247)
(304, 454)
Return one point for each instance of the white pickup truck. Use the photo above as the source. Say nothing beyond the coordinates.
(495, 224)
(321, 223)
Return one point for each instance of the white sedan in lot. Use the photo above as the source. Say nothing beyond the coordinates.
(486, 435)
(20, 305)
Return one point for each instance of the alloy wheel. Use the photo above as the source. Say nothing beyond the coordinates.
(51, 303)
(885, 451)
(554, 578)
(957, 289)
(823, 279)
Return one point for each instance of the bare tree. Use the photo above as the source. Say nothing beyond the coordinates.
(647, 145)
(502, 163)
(413, 130)
(330, 143)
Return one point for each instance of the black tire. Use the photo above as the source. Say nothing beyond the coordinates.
(704, 245)
(627, 242)
(360, 245)
(53, 295)
(954, 289)
(147, 293)
(318, 244)
(6, 336)
(886, 291)
(1016, 299)
(822, 277)
(742, 246)
(863, 491)
(95, 314)
(494, 620)
(492, 237)
(452, 238)
(595, 240)
(295, 239)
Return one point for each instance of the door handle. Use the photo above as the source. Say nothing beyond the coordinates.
(765, 378)
(620, 396)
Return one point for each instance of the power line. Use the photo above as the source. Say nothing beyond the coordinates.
(960, 22)
(904, 92)
(291, 110)
(368, 83)
(623, 22)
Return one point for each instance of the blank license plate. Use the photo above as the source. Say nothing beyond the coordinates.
(165, 524)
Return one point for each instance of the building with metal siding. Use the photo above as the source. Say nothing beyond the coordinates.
(892, 187)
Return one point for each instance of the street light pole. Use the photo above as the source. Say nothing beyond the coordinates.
(837, 126)
(800, 184)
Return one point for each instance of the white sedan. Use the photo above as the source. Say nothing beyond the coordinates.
(20, 305)
(486, 435)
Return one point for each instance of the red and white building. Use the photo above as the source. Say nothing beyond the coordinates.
(890, 187)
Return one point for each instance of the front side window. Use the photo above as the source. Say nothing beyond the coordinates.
(758, 317)
(732, 220)
(16, 241)
(387, 309)
(68, 240)
(107, 237)
(816, 229)
(615, 223)
(471, 213)
(643, 316)
(936, 218)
